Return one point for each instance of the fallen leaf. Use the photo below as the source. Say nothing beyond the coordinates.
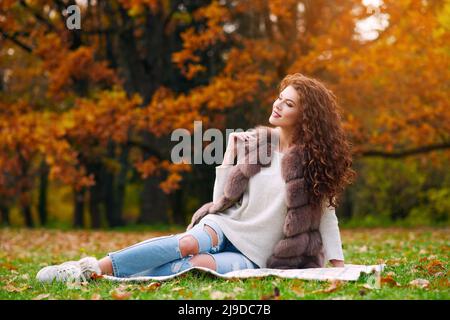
(363, 249)
(207, 288)
(415, 270)
(95, 276)
(186, 294)
(298, 290)
(388, 280)
(238, 290)
(334, 285)
(369, 286)
(25, 277)
(8, 266)
(434, 267)
(151, 286)
(12, 288)
(96, 296)
(394, 262)
(118, 294)
(219, 295)
(441, 283)
(177, 288)
(420, 283)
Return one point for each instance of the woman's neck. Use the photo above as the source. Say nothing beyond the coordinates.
(285, 139)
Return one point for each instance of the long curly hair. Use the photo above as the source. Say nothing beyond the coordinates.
(326, 151)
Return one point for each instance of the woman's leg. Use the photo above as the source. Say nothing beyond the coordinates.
(221, 262)
(227, 258)
(106, 263)
(133, 260)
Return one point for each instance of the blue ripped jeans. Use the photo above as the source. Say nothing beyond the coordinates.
(162, 256)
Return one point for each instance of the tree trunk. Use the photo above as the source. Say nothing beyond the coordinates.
(121, 184)
(1, 80)
(43, 186)
(95, 194)
(26, 210)
(4, 211)
(79, 208)
(133, 70)
(345, 210)
(178, 208)
(113, 199)
(94, 209)
(154, 203)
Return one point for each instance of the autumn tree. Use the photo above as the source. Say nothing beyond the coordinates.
(138, 69)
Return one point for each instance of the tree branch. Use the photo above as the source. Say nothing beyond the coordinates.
(145, 147)
(13, 38)
(37, 15)
(100, 31)
(406, 153)
(169, 16)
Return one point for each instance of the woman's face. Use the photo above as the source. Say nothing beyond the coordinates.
(286, 108)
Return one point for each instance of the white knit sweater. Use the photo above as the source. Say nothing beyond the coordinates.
(255, 224)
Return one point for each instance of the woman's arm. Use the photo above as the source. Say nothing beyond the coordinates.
(331, 238)
(222, 173)
(235, 140)
(223, 170)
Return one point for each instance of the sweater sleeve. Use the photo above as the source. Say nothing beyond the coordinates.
(222, 172)
(331, 237)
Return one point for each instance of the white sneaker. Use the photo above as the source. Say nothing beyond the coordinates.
(77, 271)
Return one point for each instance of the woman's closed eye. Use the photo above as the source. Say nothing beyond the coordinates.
(288, 104)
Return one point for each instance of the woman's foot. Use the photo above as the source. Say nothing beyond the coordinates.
(81, 270)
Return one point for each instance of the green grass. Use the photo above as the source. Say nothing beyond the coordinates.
(419, 253)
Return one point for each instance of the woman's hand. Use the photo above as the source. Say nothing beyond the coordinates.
(337, 263)
(235, 140)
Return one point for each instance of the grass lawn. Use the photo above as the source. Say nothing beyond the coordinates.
(417, 268)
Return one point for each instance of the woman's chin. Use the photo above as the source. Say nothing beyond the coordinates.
(272, 121)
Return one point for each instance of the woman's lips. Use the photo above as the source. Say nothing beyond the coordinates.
(276, 114)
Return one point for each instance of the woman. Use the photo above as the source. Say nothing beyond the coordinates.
(305, 117)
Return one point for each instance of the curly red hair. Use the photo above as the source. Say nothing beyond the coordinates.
(327, 157)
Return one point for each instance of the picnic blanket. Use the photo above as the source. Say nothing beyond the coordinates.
(350, 272)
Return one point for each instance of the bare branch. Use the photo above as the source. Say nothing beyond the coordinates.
(405, 153)
(13, 38)
(37, 15)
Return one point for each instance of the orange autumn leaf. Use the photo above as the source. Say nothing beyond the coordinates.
(119, 294)
(389, 280)
(333, 286)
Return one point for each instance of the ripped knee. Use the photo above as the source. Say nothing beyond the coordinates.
(213, 234)
(188, 245)
(203, 260)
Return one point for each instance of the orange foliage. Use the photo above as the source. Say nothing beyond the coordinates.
(394, 88)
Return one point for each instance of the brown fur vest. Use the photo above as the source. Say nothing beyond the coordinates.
(301, 246)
